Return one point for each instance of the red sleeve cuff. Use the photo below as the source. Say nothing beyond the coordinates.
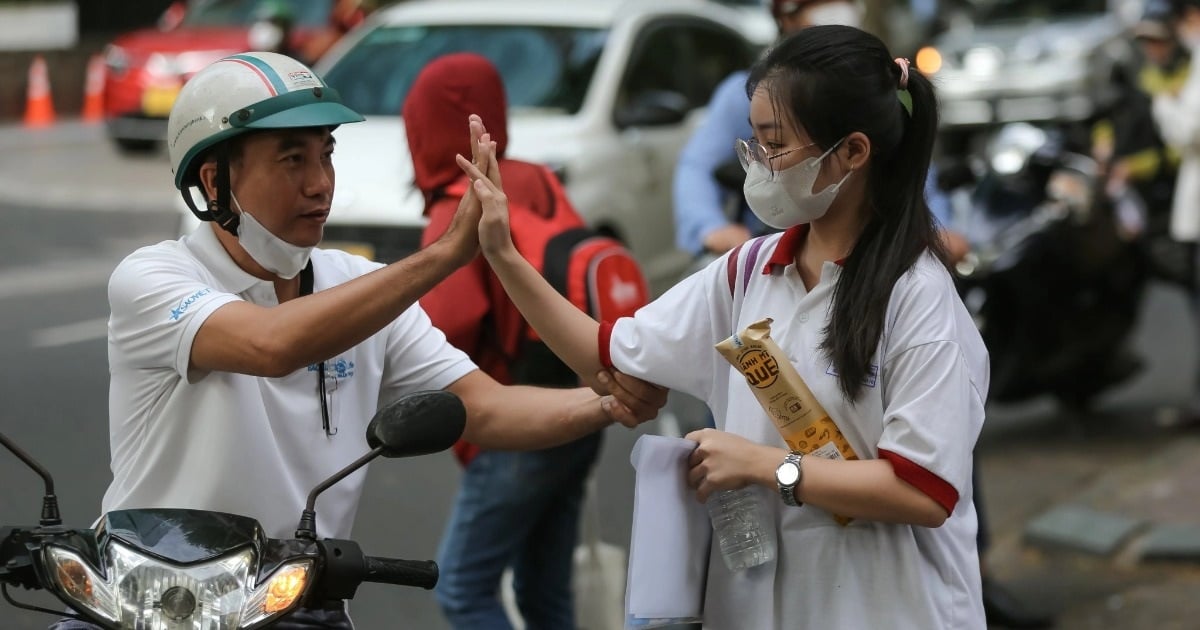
(932, 485)
(605, 339)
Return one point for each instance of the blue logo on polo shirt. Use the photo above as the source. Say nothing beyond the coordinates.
(870, 380)
(187, 303)
(338, 368)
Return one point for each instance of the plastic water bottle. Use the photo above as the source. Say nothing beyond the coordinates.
(737, 519)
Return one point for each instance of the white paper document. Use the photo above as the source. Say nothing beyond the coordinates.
(672, 533)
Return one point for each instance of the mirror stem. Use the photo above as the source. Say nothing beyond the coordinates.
(50, 515)
(307, 529)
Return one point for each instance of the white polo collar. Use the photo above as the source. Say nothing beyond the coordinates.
(205, 245)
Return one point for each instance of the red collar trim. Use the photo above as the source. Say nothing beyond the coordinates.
(787, 247)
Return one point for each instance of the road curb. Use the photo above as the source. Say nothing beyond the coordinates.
(1140, 510)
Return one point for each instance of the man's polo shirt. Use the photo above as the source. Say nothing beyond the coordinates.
(237, 443)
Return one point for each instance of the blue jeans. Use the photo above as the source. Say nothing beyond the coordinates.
(518, 510)
(303, 619)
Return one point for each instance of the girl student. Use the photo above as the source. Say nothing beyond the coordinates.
(866, 311)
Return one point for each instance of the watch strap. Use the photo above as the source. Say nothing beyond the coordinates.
(788, 492)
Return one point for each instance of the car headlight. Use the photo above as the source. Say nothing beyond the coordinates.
(143, 592)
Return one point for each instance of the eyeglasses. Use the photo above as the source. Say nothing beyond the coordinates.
(751, 152)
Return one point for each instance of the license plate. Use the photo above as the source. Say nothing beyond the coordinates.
(366, 250)
(157, 101)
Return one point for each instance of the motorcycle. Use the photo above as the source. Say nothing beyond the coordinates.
(168, 569)
(1054, 276)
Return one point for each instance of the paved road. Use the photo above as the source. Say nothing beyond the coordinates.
(72, 207)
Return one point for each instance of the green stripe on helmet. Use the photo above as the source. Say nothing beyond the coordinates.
(268, 71)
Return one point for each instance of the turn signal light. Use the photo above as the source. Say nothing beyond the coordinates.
(74, 579)
(285, 587)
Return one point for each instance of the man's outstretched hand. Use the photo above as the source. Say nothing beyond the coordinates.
(463, 233)
(630, 400)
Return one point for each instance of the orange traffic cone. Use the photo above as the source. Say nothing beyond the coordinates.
(93, 90)
(39, 109)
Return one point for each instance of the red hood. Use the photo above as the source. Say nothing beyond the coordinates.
(447, 90)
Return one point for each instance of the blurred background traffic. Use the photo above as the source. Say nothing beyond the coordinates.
(1049, 164)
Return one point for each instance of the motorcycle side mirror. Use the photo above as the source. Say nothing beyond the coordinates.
(50, 514)
(415, 424)
(418, 424)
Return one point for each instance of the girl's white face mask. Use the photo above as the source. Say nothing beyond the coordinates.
(787, 199)
(273, 253)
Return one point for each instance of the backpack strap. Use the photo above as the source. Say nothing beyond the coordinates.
(731, 265)
(731, 268)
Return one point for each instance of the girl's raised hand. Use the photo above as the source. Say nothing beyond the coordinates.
(462, 233)
(495, 237)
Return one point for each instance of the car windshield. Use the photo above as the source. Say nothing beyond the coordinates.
(239, 12)
(542, 66)
(1025, 10)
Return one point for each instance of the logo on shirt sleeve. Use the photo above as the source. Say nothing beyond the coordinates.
(187, 303)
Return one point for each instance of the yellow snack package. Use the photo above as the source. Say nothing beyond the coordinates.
(801, 420)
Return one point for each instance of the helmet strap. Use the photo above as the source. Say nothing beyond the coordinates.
(217, 209)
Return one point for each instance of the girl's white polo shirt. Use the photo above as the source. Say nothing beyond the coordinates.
(923, 408)
(236, 443)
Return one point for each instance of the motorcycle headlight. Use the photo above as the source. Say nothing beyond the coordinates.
(143, 592)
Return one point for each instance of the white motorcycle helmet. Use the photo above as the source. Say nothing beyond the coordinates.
(237, 95)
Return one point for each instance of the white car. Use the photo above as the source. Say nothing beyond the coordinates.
(605, 92)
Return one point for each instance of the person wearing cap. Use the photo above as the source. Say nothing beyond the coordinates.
(1128, 143)
(1176, 109)
(246, 362)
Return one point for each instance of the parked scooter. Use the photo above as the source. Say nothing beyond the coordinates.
(168, 569)
(1051, 280)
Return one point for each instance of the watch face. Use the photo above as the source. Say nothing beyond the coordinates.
(787, 474)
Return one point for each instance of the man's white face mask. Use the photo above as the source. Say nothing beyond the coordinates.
(836, 13)
(273, 253)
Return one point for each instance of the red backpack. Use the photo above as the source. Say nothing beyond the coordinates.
(595, 272)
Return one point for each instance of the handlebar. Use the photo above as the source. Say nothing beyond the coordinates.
(420, 573)
(346, 566)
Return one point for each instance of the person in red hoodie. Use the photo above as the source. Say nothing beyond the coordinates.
(513, 509)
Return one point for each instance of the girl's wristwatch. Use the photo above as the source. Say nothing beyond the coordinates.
(788, 476)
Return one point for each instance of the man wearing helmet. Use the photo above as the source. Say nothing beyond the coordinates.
(245, 362)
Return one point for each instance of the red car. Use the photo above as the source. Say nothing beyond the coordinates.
(146, 68)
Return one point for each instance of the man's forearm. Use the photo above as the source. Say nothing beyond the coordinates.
(530, 418)
(361, 307)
